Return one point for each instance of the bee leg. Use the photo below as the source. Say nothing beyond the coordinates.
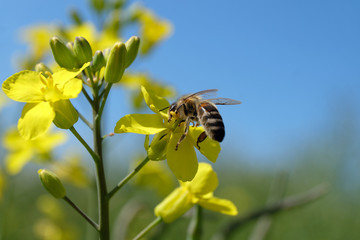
(187, 122)
(201, 138)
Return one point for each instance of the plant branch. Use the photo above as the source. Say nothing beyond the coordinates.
(128, 177)
(284, 204)
(106, 93)
(148, 228)
(83, 142)
(87, 96)
(82, 117)
(194, 230)
(86, 217)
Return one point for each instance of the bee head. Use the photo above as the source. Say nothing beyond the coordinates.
(172, 111)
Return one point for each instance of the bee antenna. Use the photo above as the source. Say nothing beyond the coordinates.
(164, 109)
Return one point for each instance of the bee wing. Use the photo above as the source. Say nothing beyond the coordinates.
(203, 94)
(224, 101)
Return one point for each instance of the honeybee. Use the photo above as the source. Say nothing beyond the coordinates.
(196, 108)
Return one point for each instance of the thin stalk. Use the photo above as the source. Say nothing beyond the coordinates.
(86, 217)
(87, 96)
(194, 230)
(83, 142)
(106, 93)
(148, 228)
(128, 177)
(82, 117)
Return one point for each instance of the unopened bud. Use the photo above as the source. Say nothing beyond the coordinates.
(98, 61)
(41, 67)
(98, 5)
(82, 50)
(65, 114)
(62, 54)
(115, 65)
(158, 147)
(132, 48)
(52, 183)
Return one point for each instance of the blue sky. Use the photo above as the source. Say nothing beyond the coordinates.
(293, 64)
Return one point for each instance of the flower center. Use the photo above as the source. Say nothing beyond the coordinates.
(51, 90)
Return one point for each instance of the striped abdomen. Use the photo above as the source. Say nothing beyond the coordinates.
(210, 118)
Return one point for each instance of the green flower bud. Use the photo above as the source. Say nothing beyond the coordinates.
(106, 53)
(158, 147)
(62, 54)
(52, 183)
(98, 5)
(82, 50)
(115, 65)
(65, 114)
(132, 47)
(41, 67)
(98, 61)
(75, 16)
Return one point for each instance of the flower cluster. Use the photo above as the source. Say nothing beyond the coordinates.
(183, 161)
(198, 191)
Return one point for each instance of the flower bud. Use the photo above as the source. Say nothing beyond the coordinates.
(65, 114)
(82, 50)
(52, 183)
(132, 47)
(75, 16)
(157, 150)
(98, 61)
(98, 5)
(115, 65)
(62, 54)
(41, 67)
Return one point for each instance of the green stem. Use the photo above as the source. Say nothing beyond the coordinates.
(194, 230)
(82, 117)
(87, 96)
(83, 142)
(103, 201)
(128, 177)
(148, 228)
(86, 217)
(106, 93)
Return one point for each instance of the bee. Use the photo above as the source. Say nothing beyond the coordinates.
(196, 108)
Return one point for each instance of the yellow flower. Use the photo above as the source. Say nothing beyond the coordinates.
(46, 96)
(72, 170)
(183, 161)
(152, 29)
(22, 151)
(38, 39)
(198, 191)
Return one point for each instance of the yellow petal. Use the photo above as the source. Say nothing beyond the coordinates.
(15, 161)
(72, 88)
(182, 162)
(174, 205)
(140, 123)
(13, 141)
(64, 75)
(209, 148)
(47, 142)
(35, 120)
(155, 103)
(24, 86)
(219, 205)
(205, 181)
